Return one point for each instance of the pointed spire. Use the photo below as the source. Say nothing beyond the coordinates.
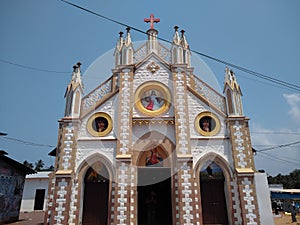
(76, 76)
(233, 93)
(184, 42)
(120, 41)
(230, 78)
(128, 37)
(176, 37)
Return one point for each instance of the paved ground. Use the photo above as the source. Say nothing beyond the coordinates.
(36, 218)
(286, 219)
(30, 218)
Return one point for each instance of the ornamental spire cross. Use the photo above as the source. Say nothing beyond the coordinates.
(152, 20)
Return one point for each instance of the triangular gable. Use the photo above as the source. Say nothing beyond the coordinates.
(153, 57)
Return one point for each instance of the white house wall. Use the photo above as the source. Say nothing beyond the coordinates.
(30, 187)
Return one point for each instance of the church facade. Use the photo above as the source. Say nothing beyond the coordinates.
(153, 144)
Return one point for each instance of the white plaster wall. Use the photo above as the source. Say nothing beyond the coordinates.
(87, 148)
(168, 130)
(30, 187)
(220, 147)
(196, 106)
(109, 107)
(263, 198)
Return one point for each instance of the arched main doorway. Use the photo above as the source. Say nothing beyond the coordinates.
(213, 199)
(96, 189)
(154, 188)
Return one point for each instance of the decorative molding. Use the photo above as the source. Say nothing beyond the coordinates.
(151, 121)
(122, 194)
(61, 201)
(249, 199)
(182, 119)
(236, 204)
(187, 192)
(125, 105)
(68, 147)
(239, 141)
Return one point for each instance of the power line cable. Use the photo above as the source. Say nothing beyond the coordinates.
(28, 142)
(266, 132)
(277, 158)
(31, 68)
(259, 75)
(278, 146)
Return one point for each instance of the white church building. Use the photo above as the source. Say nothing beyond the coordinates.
(155, 144)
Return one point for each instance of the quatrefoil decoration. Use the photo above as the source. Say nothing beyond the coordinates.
(153, 67)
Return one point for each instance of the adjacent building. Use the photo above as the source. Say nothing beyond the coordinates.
(12, 178)
(35, 192)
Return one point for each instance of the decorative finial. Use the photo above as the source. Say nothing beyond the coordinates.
(182, 32)
(79, 64)
(121, 33)
(74, 68)
(128, 29)
(176, 28)
(152, 20)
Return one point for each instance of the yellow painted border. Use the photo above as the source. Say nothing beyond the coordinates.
(217, 128)
(90, 124)
(152, 85)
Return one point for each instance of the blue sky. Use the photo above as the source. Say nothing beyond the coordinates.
(260, 35)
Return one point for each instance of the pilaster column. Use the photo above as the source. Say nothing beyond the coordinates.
(181, 112)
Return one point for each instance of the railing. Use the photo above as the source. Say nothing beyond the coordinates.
(210, 94)
(97, 94)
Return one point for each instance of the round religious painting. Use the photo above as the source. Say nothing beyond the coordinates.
(207, 124)
(99, 124)
(152, 98)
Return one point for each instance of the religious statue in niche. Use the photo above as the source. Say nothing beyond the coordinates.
(207, 123)
(100, 124)
(152, 100)
(154, 159)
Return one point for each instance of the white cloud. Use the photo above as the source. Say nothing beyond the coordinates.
(294, 102)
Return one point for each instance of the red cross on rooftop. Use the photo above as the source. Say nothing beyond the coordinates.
(152, 20)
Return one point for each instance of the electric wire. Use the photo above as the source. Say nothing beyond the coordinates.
(28, 142)
(277, 158)
(30, 67)
(278, 146)
(243, 69)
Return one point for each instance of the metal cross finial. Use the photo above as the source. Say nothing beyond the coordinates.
(152, 20)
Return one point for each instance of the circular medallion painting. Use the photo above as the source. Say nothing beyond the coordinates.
(207, 124)
(99, 124)
(152, 98)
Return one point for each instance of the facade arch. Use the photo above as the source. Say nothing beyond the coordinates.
(227, 172)
(93, 162)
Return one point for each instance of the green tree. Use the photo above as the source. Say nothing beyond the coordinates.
(28, 164)
(288, 181)
(39, 165)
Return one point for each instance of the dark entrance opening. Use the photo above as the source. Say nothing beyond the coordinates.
(95, 205)
(214, 208)
(154, 196)
(39, 199)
